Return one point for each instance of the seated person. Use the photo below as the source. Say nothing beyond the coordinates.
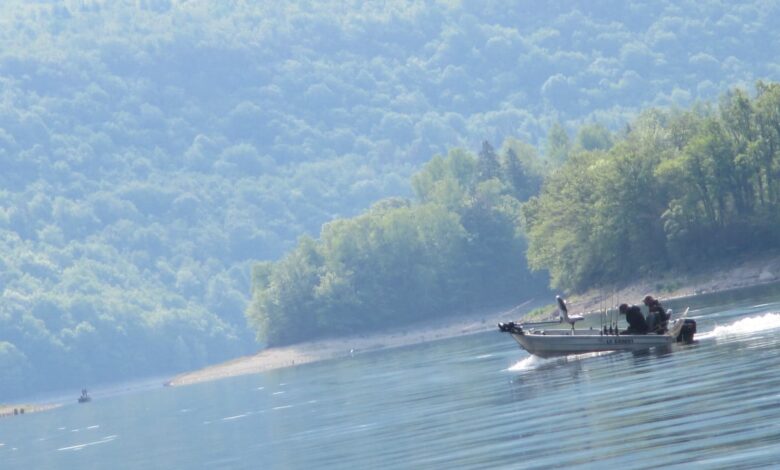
(635, 319)
(657, 318)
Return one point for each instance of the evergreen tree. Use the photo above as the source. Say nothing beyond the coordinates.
(488, 166)
(522, 183)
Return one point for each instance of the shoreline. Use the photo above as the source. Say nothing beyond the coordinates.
(746, 274)
(332, 348)
(753, 272)
(23, 409)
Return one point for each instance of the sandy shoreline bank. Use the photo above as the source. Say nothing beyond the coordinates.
(19, 410)
(288, 356)
(748, 273)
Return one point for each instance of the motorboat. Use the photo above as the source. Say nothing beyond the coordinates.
(540, 340)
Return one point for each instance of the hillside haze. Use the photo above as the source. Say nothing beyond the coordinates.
(152, 151)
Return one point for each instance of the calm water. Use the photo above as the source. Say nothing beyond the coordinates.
(474, 402)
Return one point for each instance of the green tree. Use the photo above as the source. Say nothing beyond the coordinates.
(488, 165)
(593, 137)
(283, 307)
(767, 147)
(446, 180)
(558, 146)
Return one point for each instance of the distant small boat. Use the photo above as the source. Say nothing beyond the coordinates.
(84, 398)
(540, 341)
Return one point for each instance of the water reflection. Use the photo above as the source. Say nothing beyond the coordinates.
(474, 402)
(656, 352)
(546, 376)
(624, 408)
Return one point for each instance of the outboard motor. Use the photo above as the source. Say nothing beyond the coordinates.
(687, 331)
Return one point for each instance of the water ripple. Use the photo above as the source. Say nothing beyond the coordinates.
(472, 402)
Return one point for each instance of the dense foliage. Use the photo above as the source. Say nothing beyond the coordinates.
(679, 188)
(457, 247)
(152, 150)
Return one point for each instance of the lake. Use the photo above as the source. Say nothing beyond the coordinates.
(472, 402)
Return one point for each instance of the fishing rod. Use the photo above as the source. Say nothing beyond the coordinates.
(602, 309)
(615, 318)
(601, 305)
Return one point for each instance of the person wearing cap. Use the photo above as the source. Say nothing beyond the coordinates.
(636, 321)
(657, 318)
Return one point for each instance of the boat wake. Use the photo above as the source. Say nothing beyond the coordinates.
(530, 363)
(533, 362)
(77, 447)
(768, 321)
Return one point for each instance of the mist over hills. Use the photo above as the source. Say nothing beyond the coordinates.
(152, 151)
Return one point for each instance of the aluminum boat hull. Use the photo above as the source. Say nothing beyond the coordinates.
(552, 343)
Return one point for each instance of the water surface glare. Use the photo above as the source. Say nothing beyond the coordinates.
(472, 402)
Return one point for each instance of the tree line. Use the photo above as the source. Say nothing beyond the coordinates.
(457, 245)
(152, 151)
(679, 188)
(675, 189)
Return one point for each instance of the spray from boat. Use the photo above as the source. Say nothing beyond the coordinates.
(744, 326)
(534, 362)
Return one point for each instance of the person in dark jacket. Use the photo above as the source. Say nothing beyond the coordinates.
(657, 318)
(635, 319)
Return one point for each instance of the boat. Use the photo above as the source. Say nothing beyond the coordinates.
(539, 340)
(84, 398)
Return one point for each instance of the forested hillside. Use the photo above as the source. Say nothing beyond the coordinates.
(675, 189)
(457, 247)
(681, 188)
(151, 151)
